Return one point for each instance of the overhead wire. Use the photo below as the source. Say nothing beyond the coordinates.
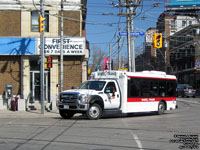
(68, 18)
(87, 22)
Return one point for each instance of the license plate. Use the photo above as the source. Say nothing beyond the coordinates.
(66, 106)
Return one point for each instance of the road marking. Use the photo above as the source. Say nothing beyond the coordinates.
(137, 140)
(135, 137)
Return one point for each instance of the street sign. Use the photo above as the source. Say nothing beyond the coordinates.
(135, 33)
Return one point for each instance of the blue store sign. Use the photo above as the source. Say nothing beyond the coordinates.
(17, 46)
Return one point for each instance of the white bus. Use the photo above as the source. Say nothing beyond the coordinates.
(120, 91)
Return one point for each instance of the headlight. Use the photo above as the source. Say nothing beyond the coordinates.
(83, 98)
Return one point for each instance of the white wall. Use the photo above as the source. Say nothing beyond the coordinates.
(28, 4)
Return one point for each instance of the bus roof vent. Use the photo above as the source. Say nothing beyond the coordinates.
(158, 72)
(145, 71)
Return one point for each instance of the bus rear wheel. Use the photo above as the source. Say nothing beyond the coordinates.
(161, 108)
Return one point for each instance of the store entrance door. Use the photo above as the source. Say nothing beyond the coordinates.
(35, 86)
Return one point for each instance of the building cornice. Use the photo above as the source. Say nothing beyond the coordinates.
(49, 4)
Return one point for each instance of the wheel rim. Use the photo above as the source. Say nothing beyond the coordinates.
(94, 112)
(161, 108)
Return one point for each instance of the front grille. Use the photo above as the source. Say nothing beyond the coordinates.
(69, 98)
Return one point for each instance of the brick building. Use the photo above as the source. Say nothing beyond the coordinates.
(20, 49)
(169, 23)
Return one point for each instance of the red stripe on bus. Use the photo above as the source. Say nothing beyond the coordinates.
(151, 99)
(150, 77)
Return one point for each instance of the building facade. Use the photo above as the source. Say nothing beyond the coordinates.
(20, 50)
(185, 55)
(168, 24)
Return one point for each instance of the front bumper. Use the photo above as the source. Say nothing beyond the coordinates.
(72, 106)
(190, 94)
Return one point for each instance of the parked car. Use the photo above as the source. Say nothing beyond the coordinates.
(185, 90)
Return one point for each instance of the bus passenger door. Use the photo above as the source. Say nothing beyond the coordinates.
(112, 95)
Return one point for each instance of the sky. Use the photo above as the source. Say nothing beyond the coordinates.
(103, 22)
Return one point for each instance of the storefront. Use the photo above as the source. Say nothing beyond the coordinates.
(20, 67)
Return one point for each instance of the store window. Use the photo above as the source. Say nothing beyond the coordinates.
(34, 21)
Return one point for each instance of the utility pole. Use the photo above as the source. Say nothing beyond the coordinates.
(110, 57)
(122, 61)
(128, 36)
(42, 60)
(132, 44)
(119, 48)
(61, 48)
(131, 7)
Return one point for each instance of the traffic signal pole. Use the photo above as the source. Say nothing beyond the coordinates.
(42, 59)
(61, 48)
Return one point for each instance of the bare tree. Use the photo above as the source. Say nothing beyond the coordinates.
(97, 58)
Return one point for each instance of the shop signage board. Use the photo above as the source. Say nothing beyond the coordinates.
(17, 46)
(71, 46)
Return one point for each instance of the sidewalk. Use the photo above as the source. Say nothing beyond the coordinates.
(37, 113)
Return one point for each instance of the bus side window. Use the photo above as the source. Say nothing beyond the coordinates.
(134, 88)
(162, 88)
(154, 89)
(145, 88)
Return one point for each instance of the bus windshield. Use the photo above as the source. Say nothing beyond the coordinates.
(94, 85)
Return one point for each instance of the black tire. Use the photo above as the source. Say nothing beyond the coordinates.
(161, 108)
(66, 114)
(94, 112)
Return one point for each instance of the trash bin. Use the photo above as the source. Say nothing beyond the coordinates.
(14, 104)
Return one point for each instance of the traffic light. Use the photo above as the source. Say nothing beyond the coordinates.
(157, 40)
(89, 71)
(41, 24)
(45, 63)
(48, 62)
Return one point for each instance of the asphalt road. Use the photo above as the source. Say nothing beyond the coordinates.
(144, 131)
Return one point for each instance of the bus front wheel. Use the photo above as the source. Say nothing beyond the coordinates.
(94, 112)
(66, 114)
